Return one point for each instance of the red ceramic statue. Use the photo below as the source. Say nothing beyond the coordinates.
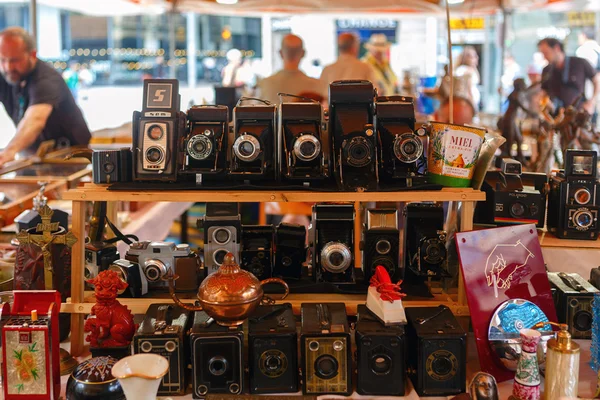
(113, 325)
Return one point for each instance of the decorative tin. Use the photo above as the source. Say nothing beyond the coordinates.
(453, 152)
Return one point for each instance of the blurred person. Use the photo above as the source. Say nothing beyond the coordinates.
(534, 70)
(385, 79)
(86, 79)
(464, 109)
(588, 47)
(290, 79)
(231, 72)
(466, 66)
(36, 98)
(348, 66)
(563, 79)
(71, 77)
(512, 70)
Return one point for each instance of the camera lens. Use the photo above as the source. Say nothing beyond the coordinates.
(441, 366)
(307, 147)
(199, 147)
(385, 262)
(286, 261)
(582, 196)
(154, 155)
(256, 269)
(408, 148)
(146, 347)
(108, 167)
(517, 210)
(217, 365)
(326, 366)
(155, 132)
(383, 246)
(246, 148)
(335, 257)
(358, 152)
(273, 363)
(219, 256)
(87, 273)
(583, 219)
(435, 251)
(221, 235)
(582, 321)
(381, 364)
(155, 269)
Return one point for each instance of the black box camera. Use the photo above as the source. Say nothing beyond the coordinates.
(290, 250)
(257, 250)
(381, 243)
(110, 166)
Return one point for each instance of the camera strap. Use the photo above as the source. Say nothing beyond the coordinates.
(129, 239)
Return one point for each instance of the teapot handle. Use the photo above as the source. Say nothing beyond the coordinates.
(266, 299)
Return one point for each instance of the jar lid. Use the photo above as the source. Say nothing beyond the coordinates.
(95, 370)
(563, 342)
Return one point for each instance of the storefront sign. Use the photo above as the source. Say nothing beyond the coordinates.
(467, 23)
(379, 23)
(581, 18)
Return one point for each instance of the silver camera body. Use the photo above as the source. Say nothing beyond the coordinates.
(157, 258)
(221, 238)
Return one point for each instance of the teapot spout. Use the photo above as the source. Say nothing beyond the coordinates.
(171, 278)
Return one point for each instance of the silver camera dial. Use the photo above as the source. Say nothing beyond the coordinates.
(246, 147)
(336, 257)
(199, 147)
(307, 147)
(408, 148)
(155, 270)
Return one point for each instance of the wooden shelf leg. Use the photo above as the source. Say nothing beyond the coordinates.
(77, 277)
(466, 224)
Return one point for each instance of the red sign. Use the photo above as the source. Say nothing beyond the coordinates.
(501, 264)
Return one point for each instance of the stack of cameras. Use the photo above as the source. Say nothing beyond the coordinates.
(568, 203)
(318, 360)
(366, 143)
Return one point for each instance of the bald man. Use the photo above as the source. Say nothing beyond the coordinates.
(290, 79)
(36, 98)
(348, 66)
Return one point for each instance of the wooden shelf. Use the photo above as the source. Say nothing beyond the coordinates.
(139, 306)
(93, 192)
(549, 240)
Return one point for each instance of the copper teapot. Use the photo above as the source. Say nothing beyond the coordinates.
(229, 295)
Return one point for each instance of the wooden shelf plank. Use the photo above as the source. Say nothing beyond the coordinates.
(549, 240)
(139, 306)
(92, 192)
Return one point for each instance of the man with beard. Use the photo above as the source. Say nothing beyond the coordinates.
(36, 98)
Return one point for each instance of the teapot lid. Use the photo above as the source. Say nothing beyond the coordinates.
(230, 285)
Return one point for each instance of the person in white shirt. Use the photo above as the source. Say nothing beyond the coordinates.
(290, 79)
(348, 66)
(589, 50)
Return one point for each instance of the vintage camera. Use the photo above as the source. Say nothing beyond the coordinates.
(401, 150)
(425, 240)
(132, 274)
(98, 257)
(354, 143)
(204, 148)
(381, 243)
(164, 332)
(437, 351)
(158, 258)
(290, 250)
(156, 132)
(217, 357)
(109, 166)
(302, 142)
(257, 250)
(380, 353)
(573, 201)
(332, 236)
(222, 232)
(325, 347)
(513, 197)
(573, 301)
(273, 350)
(255, 144)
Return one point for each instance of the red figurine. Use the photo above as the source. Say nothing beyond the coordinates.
(387, 290)
(113, 325)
